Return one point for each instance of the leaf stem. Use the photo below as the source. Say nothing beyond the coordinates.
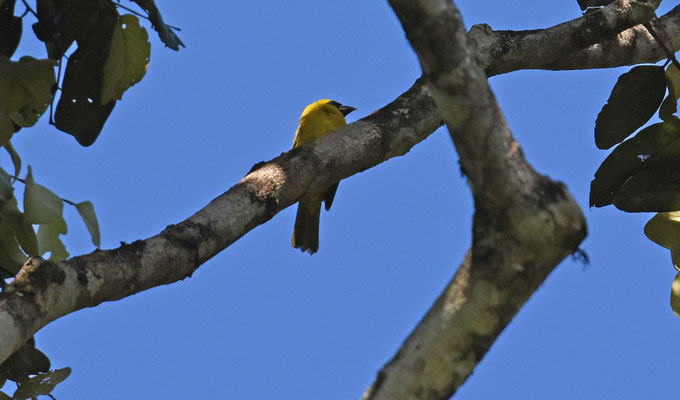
(137, 13)
(146, 17)
(28, 9)
(67, 201)
(669, 54)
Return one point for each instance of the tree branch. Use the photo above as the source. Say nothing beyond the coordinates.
(498, 274)
(44, 291)
(524, 223)
(504, 51)
(630, 47)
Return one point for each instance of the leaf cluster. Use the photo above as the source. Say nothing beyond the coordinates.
(29, 368)
(42, 208)
(642, 174)
(107, 53)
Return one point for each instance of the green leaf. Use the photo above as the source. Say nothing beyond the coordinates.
(635, 98)
(6, 189)
(16, 160)
(6, 129)
(42, 384)
(650, 190)
(27, 238)
(86, 211)
(675, 295)
(38, 77)
(670, 103)
(10, 219)
(8, 267)
(13, 94)
(25, 361)
(655, 146)
(48, 241)
(664, 229)
(4, 396)
(11, 256)
(26, 88)
(128, 59)
(42, 206)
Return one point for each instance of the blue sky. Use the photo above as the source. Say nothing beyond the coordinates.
(263, 320)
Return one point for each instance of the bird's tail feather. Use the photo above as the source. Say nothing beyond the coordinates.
(306, 232)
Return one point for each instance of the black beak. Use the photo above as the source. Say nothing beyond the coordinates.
(346, 110)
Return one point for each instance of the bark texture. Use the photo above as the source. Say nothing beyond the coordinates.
(44, 291)
(504, 51)
(524, 223)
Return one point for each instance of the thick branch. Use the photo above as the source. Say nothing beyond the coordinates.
(565, 47)
(504, 51)
(45, 291)
(524, 223)
(508, 259)
(630, 47)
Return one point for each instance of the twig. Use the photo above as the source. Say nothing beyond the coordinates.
(133, 11)
(55, 92)
(669, 54)
(145, 16)
(28, 9)
(67, 201)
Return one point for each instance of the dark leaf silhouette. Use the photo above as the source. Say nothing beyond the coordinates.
(80, 111)
(24, 362)
(670, 104)
(42, 384)
(655, 189)
(635, 98)
(655, 146)
(10, 28)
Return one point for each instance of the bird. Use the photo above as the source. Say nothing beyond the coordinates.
(318, 119)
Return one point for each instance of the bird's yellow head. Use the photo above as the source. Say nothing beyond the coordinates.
(319, 119)
(327, 106)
